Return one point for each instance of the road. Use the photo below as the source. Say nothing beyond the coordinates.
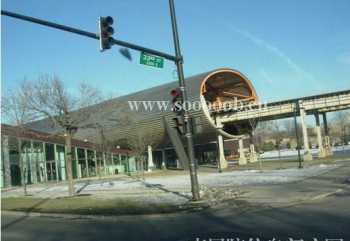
(325, 215)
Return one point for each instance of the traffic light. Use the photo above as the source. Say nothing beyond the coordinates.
(176, 100)
(179, 125)
(106, 32)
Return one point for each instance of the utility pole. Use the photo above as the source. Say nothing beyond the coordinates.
(177, 59)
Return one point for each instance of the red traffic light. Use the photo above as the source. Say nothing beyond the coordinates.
(175, 92)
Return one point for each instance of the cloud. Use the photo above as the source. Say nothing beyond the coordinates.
(276, 51)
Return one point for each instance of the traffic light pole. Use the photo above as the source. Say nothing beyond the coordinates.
(177, 59)
(87, 34)
(185, 113)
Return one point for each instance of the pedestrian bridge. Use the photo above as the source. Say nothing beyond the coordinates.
(310, 105)
(287, 108)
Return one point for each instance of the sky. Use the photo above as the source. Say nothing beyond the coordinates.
(287, 49)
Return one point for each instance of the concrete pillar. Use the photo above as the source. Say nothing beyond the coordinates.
(78, 167)
(86, 163)
(44, 160)
(62, 161)
(22, 163)
(5, 162)
(163, 159)
(307, 153)
(97, 168)
(33, 162)
(150, 158)
(221, 154)
(327, 141)
(321, 151)
(242, 159)
(252, 154)
(41, 162)
(56, 160)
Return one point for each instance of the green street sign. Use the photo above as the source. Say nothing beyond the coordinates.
(151, 60)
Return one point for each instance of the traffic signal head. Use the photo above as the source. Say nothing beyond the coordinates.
(175, 93)
(106, 32)
(176, 100)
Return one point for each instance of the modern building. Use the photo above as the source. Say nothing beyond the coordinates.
(32, 156)
(123, 121)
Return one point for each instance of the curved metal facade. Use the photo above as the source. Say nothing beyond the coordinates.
(121, 122)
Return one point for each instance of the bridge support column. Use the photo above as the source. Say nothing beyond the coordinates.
(221, 154)
(321, 151)
(327, 142)
(252, 154)
(242, 159)
(307, 153)
(150, 158)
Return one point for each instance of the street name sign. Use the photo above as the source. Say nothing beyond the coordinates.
(151, 60)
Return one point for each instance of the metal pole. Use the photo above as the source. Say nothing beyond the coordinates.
(185, 113)
(296, 132)
(86, 34)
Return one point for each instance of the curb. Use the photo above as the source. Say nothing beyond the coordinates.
(189, 207)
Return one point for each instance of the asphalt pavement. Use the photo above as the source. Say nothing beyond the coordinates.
(317, 208)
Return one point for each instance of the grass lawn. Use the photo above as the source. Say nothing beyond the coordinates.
(86, 205)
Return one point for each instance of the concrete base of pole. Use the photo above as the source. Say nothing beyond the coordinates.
(150, 159)
(321, 153)
(223, 163)
(242, 161)
(253, 157)
(307, 156)
(242, 158)
(327, 146)
(222, 160)
(328, 151)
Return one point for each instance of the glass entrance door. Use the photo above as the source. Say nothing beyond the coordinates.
(51, 170)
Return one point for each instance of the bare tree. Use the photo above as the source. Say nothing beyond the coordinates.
(101, 142)
(15, 111)
(342, 121)
(277, 135)
(67, 112)
(289, 129)
(138, 144)
(261, 132)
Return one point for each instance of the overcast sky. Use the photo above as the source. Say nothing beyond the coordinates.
(287, 48)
